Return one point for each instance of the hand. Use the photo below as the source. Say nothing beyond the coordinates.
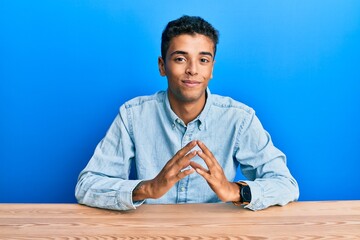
(215, 177)
(168, 176)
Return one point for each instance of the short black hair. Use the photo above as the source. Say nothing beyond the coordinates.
(187, 25)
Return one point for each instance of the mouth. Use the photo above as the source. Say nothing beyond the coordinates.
(191, 83)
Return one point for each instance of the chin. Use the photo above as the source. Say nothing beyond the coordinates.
(191, 97)
(188, 95)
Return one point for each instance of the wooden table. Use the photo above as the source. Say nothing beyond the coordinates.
(299, 220)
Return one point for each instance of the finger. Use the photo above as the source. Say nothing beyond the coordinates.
(205, 150)
(185, 161)
(198, 166)
(205, 174)
(208, 161)
(175, 166)
(208, 156)
(182, 152)
(201, 171)
(185, 173)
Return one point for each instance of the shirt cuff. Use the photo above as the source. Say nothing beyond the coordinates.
(125, 195)
(256, 196)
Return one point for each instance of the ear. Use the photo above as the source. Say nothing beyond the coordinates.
(161, 65)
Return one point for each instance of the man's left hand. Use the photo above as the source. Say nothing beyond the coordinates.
(215, 177)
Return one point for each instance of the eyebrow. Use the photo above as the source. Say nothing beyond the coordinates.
(185, 53)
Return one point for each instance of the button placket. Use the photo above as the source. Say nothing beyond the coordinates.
(183, 183)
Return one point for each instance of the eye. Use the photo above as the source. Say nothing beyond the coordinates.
(204, 60)
(180, 59)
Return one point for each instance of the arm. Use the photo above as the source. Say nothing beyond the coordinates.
(104, 181)
(264, 165)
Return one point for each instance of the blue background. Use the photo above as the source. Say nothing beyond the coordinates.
(66, 66)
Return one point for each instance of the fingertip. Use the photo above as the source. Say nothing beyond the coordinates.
(189, 171)
(201, 144)
(190, 144)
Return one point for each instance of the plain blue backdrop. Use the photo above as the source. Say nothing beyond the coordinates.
(66, 66)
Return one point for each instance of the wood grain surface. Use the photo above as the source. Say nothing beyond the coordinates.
(299, 220)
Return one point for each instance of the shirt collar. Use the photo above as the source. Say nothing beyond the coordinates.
(173, 118)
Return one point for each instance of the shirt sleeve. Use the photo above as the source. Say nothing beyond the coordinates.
(104, 182)
(269, 179)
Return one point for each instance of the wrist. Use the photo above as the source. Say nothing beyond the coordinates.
(141, 192)
(235, 192)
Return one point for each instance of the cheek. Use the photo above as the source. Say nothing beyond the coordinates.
(173, 72)
(170, 75)
(207, 73)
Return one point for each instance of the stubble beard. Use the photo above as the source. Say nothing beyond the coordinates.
(186, 98)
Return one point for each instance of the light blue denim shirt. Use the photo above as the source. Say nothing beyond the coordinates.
(147, 131)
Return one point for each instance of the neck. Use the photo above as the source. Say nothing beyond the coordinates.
(187, 111)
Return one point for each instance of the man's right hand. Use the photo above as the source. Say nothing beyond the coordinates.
(168, 176)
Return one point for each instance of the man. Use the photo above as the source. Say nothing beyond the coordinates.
(186, 142)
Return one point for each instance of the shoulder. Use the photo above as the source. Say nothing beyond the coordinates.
(140, 101)
(141, 107)
(228, 103)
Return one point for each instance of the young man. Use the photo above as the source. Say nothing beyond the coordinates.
(186, 142)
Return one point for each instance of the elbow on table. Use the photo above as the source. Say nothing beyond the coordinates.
(293, 192)
(80, 190)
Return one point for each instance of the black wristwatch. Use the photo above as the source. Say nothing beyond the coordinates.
(245, 194)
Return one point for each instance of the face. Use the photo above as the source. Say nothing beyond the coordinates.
(188, 68)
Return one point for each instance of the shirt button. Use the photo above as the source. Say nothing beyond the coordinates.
(182, 189)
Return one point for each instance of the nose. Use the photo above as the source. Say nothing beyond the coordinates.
(191, 68)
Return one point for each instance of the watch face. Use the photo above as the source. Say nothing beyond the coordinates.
(245, 194)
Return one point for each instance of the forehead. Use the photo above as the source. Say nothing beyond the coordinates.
(194, 44)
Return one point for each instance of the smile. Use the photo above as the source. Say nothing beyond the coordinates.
(191, 83)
